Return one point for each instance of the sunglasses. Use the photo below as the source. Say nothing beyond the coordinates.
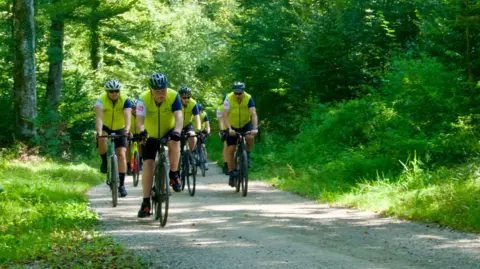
(159, 89)
(185, 97)
(238, 93)
(114, 91)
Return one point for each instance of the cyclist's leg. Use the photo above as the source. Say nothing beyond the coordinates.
(120, 150)
(192, 140)
(231, 144)
(225, 154)
(149, 153)
(174, 157)
(250, 142)
(128, 156)
(102, 149)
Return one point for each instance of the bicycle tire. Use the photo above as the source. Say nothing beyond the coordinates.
(184, 172)
(136, 168)
(161, 195)
(203, 161)
(237, 178)
(244, 173)
(193, 172)
(114, 179)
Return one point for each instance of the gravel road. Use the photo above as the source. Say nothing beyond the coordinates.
(218, 228)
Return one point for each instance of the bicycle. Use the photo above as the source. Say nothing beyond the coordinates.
(241, 161)
(135, 159)
(160, 194)
(112, 166)
(188, 168)
(199, 154)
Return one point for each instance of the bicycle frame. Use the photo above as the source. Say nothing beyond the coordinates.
(112, 166)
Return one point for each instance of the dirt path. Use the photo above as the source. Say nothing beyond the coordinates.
(219, 228)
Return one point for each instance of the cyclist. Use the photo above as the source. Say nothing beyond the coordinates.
(204, 127)
(113, 111)
(223, 135)
(133, 131)
(239, 115)
(189, 111)
(159, 114)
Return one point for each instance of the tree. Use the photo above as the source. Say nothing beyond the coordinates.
(25, 96)
(55, 58)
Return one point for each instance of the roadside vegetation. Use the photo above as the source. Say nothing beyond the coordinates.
(45, 219)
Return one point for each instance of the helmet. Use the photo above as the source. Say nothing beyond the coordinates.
(184, 90)
(200, 106)
(113, 85)
(158, 81)
(238, 86)
(134, 102)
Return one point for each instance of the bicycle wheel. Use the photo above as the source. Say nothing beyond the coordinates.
(244, 173)
(161, 195)
(114, 179)
(193, 174)
(184, 172)
(239, 171)
(202, 160)
(136, 168)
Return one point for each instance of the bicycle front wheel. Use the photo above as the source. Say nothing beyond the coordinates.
(114, 179)
(136, 168)
(238, 161)
(244, 173)
(161, 193)
(203, 161)
(192, 178)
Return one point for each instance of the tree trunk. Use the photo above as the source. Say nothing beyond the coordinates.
(55, 58)
(94, 36)
(25, 96)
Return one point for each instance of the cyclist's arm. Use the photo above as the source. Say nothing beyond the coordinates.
(127, 112)
(253, 115)
(207, 126)
(207, 123)
(226, 109)
(177, 113)
(196, 118)
(178, 121)
(141, 112)
(220, 120)
(99, 117)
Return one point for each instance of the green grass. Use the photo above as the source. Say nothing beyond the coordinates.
(447, 196)
(45, 218)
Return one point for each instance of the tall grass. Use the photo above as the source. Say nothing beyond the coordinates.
(45, 219)
(448, 196)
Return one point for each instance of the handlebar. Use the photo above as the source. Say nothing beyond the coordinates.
(112, 136)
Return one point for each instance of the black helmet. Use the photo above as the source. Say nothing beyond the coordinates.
(200, 107)
(184, 90)
(158, 81)
(238, 86)
(113, 85)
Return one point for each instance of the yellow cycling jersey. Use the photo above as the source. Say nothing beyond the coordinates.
(113, 117)
(159, 120)
(203, 116)
(187, 112)
(238, 113)
(133, 126)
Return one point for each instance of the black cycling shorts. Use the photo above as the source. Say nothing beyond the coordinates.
(150, 148)
(120, 142)
(232, 140)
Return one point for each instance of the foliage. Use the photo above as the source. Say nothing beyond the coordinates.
(45, 219)
(446, 196)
